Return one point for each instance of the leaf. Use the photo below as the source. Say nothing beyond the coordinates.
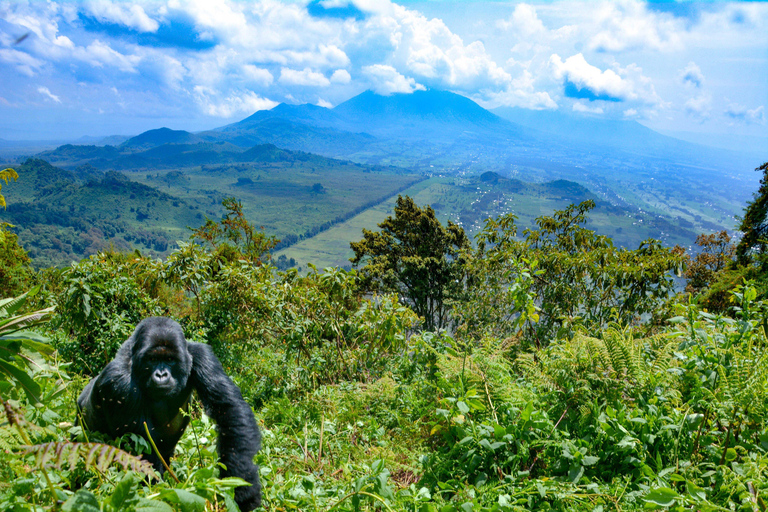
(146, 505)
(188, 501)
(695, 491)
(589, 461)
(663, 497)
(125, 492)
(81, 501)
(463, 407)
(30, 387)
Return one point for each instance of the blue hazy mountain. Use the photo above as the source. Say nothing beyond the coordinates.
(160, 136)
(401, 129)
(592, 132)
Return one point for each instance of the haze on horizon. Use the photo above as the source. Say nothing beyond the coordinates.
(696, 70)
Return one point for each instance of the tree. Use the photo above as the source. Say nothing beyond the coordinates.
(716, 252)
(417, 257)
(234, 237)
(5, 175)
(576, 276)
(754, 224)
(15, 266)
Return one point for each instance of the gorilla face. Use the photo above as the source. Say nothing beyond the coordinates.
(161, 362)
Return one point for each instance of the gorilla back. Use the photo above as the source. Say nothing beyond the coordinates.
(151, 380)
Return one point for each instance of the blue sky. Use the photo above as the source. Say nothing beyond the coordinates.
(102, 67)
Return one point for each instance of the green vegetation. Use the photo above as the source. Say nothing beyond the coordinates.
(416, 257)
(64, 216)
(574, 379)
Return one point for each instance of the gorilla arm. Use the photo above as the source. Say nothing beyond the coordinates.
(239, 436)
(110, 402)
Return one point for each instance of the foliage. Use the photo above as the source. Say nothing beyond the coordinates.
(753, 223)
(576, 276)
(15, 269)
(548, 396)
(99, 304)
(6, 175)
(20, 348)
(716, 253)
(709, 270)
(234, 237)
(416, 257)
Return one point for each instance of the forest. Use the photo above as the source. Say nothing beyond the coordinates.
(544, 368)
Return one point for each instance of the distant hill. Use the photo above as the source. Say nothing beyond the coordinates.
(160, 136)
(171, 155)
(61, 217)
(592, 131)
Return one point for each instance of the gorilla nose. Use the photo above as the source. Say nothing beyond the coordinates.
(162, 375)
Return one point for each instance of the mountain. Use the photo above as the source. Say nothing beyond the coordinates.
(430, 114)
(160, 136)
(591, 131)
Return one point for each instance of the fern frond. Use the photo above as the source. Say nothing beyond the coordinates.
(98, 456)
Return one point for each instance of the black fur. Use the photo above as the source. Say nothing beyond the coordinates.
(151, 380)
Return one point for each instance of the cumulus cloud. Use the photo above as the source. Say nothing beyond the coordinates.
(341, 76)
(385, 80)
(48, 94)
(629, 25)
(630, 112)
(257, 75)
(581, 107)
(699, 107)
(428, 50)
(524, 21)
(745, 115)
(243, 103)
(583, 81)
(101, 54)
(692, 75)
(305, 77)
(325, 104)
(24, 63)
(131, 16)
(520, 93)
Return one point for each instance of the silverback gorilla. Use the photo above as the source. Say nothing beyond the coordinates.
(151, 380)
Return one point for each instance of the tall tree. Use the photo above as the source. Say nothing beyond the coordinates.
(417, 257)
(754, 224)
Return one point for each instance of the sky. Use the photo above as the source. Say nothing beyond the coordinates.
(107, 67)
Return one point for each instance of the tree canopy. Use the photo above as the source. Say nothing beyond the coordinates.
(417, 257)
(754, 224)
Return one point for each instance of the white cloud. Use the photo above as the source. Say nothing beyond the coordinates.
(630, 112)
(341, 76)
(385, 80)
(243, 103)
(629, 25)
(699, 107)
(325, 104)
(524, 22)
(305, 77)
(692, 75)
(584, 81)
(745, 115)
(520, 93)
(48, 94)
(257, 75)
(131, 16)
(24, 63)
(427, 49)
(581, 107)
(100, 54)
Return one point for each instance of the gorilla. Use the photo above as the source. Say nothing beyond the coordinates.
(151, 380)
